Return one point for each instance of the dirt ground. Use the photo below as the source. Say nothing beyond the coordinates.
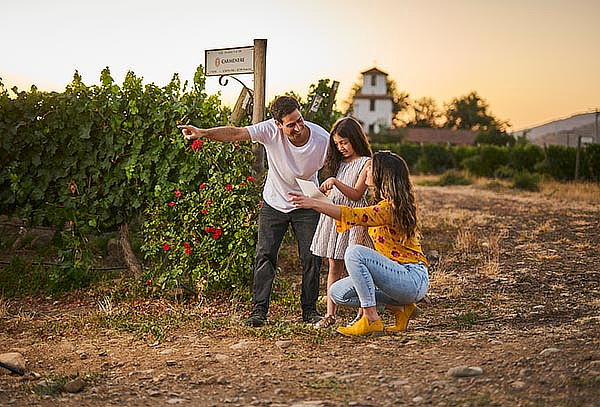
(514, 291)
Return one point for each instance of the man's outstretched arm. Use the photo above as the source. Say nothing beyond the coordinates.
(226, 133)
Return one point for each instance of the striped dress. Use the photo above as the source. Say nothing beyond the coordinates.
(327, 242)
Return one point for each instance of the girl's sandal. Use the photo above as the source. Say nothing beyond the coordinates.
(326, 322)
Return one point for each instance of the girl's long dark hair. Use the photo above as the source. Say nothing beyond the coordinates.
(392, 183)
(350, 128)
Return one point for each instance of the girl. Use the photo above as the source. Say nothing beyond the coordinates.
(349, 152)
(393, 276)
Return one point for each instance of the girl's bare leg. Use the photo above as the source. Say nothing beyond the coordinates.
(336, 270)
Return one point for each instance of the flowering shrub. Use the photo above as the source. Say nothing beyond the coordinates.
(95, 158)
(202, 238)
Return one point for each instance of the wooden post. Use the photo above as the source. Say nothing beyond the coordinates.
(239, 110)
(577, 157)
(332, 93)
(128, 254)
(258, 111)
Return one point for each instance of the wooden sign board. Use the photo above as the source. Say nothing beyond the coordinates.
(229, 61)
(586, 140)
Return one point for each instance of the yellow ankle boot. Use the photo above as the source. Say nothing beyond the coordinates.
(362, 328)
(409, 312)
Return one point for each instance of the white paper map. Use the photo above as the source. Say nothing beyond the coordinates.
(310, 189)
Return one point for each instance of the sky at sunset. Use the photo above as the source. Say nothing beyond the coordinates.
(532, 60)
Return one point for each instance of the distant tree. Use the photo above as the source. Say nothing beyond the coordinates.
(400, 101)
(522, 139)
(493, 135)
(471, 112)
(422, 112)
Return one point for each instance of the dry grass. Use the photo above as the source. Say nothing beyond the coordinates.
(585, 192)
(585, 246)
(446, 281)
(466, 241)
(440, 218)
(490, 266)
(572, 191)
(546, 255)
(546, 227)
(491, 253)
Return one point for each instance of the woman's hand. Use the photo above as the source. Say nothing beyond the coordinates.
(328, 184)
(301, 201)
(306, 202)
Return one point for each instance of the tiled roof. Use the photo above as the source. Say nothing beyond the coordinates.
(438, 136)
(374, 71)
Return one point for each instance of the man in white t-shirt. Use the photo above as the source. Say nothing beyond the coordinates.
(295, 149)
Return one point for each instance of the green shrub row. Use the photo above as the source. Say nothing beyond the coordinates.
(93, 158)
(496, 161)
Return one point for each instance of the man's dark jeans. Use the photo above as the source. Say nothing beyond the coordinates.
(272, 225)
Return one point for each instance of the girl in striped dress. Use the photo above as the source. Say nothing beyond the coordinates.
(349, 154)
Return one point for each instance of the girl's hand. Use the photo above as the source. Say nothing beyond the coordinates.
(327, 185)
(300, 201)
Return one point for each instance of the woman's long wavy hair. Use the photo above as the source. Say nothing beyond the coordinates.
(391, 178)
(349, 128)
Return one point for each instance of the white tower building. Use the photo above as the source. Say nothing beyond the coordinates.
(372, 105)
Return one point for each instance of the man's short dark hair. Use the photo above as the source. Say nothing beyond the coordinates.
(282, 106)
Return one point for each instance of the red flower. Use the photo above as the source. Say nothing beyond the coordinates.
(217, 233)
(204, 212)
(166, 247)
(228, 187)
(241, 184)
(188, 251)
(260, 203)
(380, 239)
(177, 193)
(209, 229)
(186, 245)
(250, 178)
(202, 186)
(395, 253)
(208, 203)
(148, 282)
(171, 204)
(365, 218)
(236, 146)
(197, 144)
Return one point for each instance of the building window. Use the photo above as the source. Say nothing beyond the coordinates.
(371, 128)
(373, 80)
(372, 105)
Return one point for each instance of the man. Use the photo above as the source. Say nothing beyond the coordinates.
(295, 149)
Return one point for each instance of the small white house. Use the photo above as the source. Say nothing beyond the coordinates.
(372, 105)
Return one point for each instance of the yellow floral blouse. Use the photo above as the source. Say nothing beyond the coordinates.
(388, 240)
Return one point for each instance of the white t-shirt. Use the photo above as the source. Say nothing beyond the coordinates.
(288, 162)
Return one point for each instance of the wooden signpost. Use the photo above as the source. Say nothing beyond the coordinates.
(243, 60)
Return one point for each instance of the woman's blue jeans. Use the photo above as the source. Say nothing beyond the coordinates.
(375, 280)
